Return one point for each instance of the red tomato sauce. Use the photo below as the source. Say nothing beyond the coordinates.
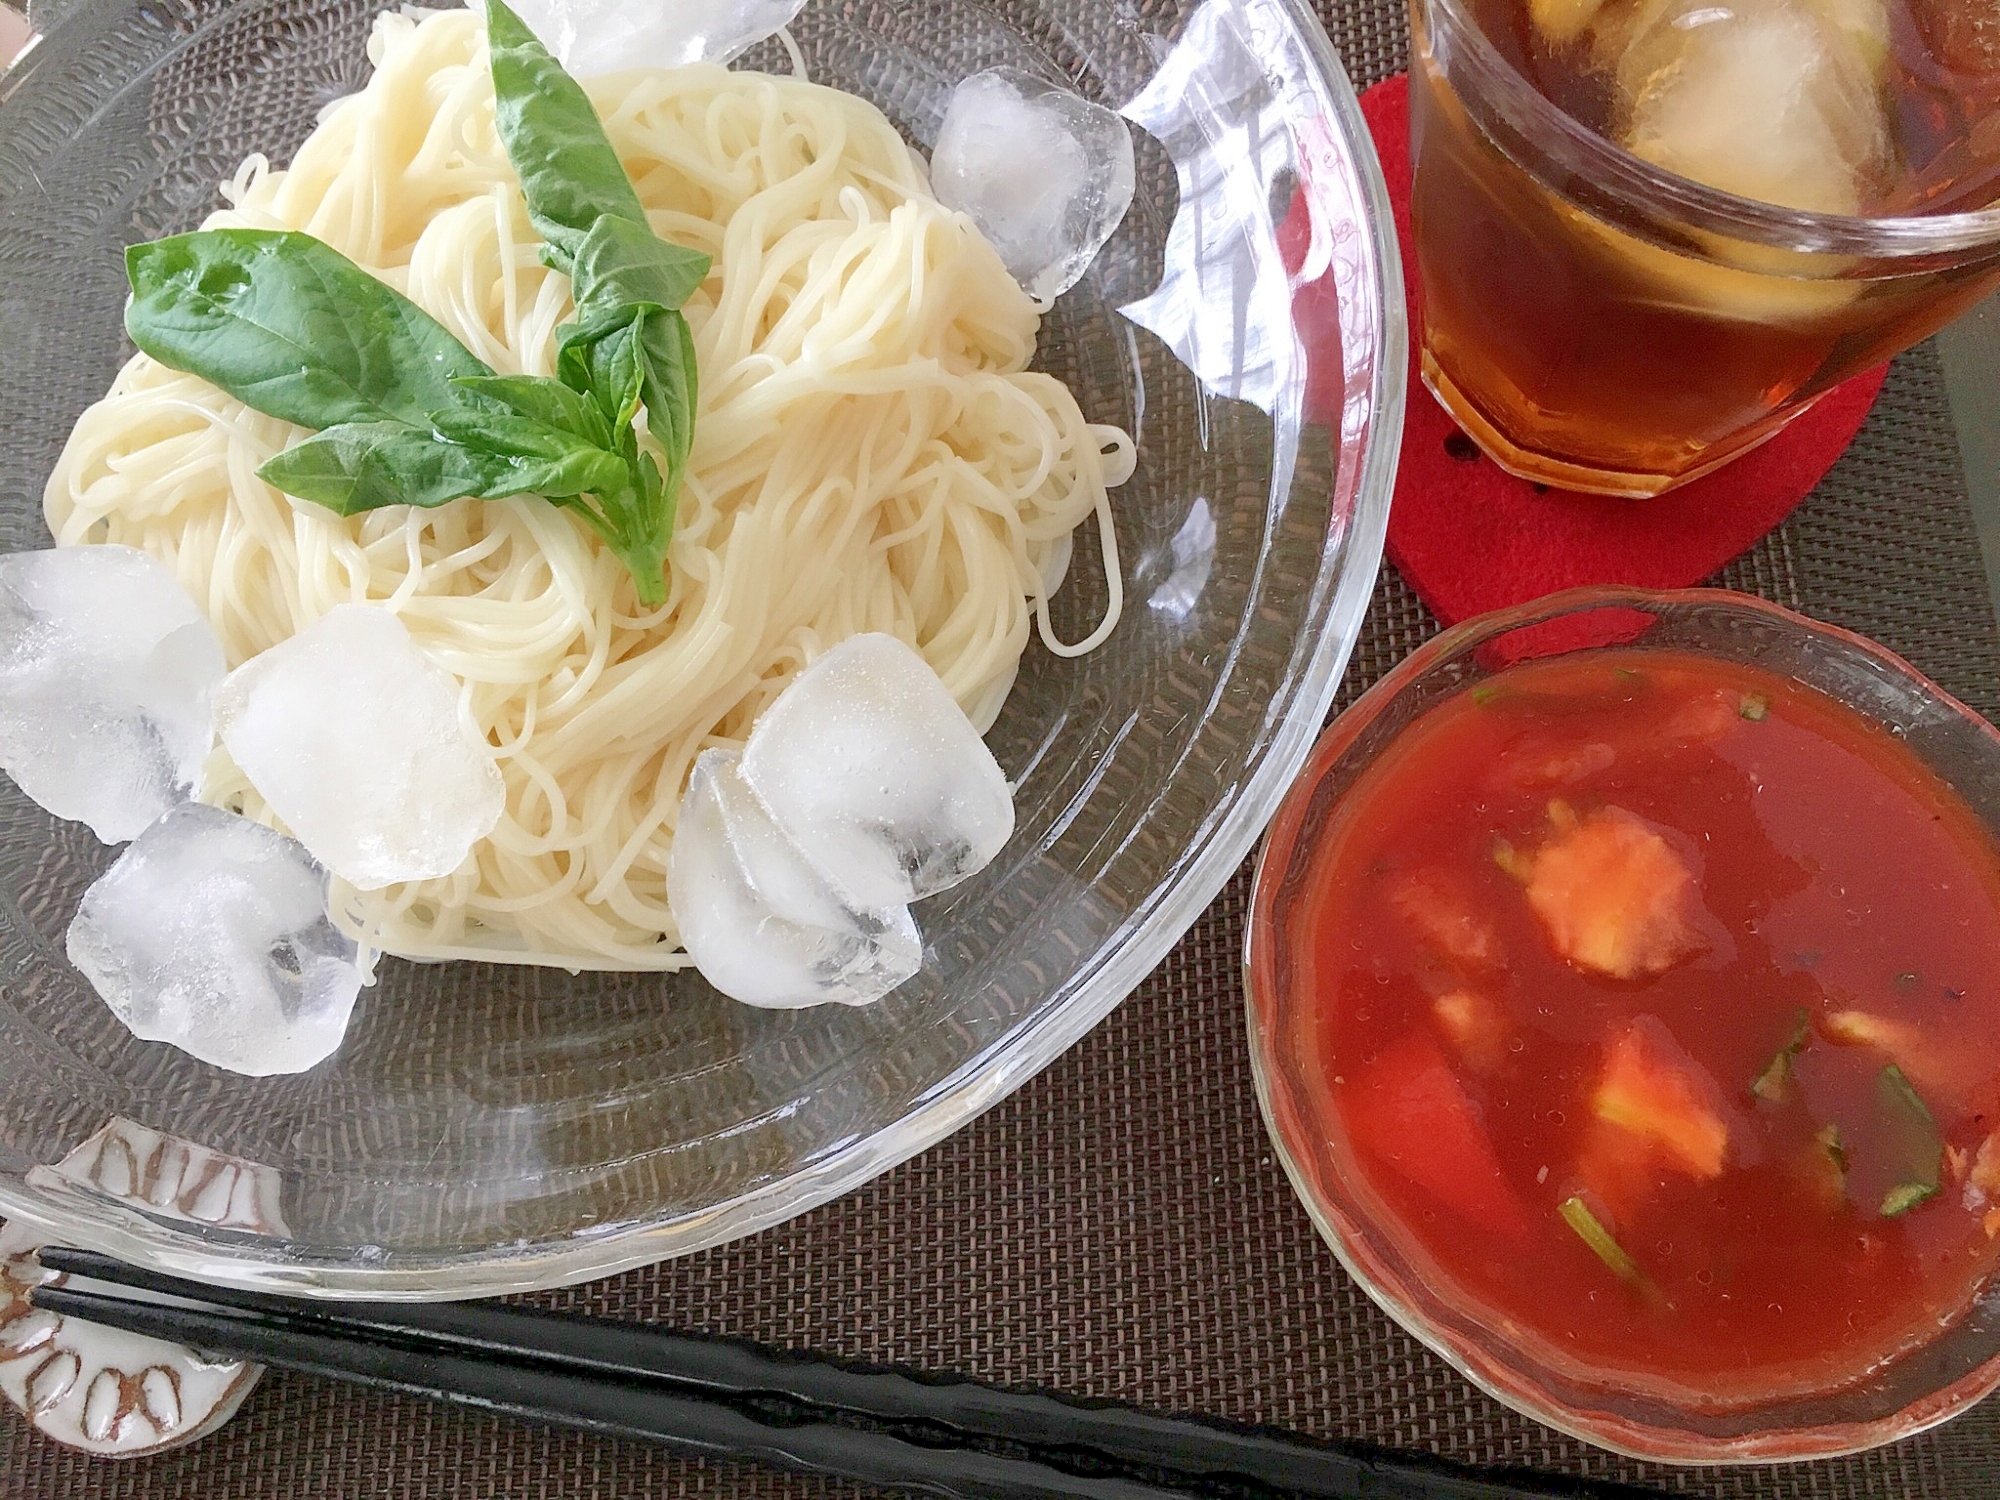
(1659, 1005)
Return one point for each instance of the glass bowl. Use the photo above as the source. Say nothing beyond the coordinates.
(1917, 1390)
(489, 1129)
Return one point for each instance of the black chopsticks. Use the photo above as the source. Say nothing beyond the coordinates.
(901, 1430)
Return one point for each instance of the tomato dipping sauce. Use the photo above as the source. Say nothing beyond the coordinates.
(1658, 1005)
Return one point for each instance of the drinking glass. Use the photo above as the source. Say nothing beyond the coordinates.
(1595, 322)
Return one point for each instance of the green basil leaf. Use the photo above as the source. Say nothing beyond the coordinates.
(290, 327)
(569, 174)
(522, 438)
(1905, 1196)
(667, 344)
(583, 471)
(658, 500)
(541, 399)
(622, 262)
(360, 466)
(1910, 1137)
(605, 361)
(601, 322)
(592, 354)
(637, 525)
(630, 345)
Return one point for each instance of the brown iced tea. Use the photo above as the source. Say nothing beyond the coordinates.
(1596, 325)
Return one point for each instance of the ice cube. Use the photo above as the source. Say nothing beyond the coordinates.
(1862, 27)
(106, 673)
(210, 933)
(1046, 174)
(592, 37)
(771, 863)
(1562, 21)
(1775, 100)
(755, 919)
(354, 737)
(876, 774)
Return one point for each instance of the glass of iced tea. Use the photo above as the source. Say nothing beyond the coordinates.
(1652, 232)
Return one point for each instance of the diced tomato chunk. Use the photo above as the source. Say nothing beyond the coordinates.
(1537, 765)
(1477, 1027)
(1986, 1166)
(1864, 1028)
(1964, 38)
(1614, 897)
(1652, 1089)
(1442, 911)
(1704, 718)
(1950, 1078)
(1409, 1112)
(1546, 759)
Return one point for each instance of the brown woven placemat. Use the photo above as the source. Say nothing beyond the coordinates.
(1118, 1227)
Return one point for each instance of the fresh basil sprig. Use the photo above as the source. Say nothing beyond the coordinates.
(627, 282)
(407, 415)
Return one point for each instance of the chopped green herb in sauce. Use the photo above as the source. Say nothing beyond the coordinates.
(1774, 1083)
(1576, 1213)
(1905, 1196)
(1828, 1137)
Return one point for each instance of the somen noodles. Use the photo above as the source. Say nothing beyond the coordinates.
(871, 454)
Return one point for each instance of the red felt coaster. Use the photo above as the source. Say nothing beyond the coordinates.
(1470, 537)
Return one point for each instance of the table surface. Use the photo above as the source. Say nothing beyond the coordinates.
(1970, 354)
(1118, 1227)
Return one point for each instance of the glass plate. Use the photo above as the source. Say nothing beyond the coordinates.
(489, 1129)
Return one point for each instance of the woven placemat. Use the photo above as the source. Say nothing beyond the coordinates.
(1118, 1227)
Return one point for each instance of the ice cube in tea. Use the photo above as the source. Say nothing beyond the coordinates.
(1767, 100)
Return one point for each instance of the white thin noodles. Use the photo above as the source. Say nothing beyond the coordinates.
(870, 454)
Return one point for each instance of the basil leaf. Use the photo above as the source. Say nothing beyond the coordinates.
(290, 327)
(593, 357)
(604, 361)
(540, 399)
(1911, 1138)
(630, 345)
(639, 353)
(670, 388)
(602, 322)
(409, 416)
(639, 522)
(569, 174)
(660, 499)
(1905, 1196)
(516, 437)
(361, 466)
(561, 479)
(622, 262)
